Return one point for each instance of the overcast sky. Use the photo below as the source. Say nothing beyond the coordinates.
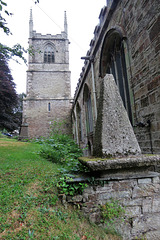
(48, 17)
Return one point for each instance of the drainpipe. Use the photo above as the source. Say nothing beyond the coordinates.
(91, 60)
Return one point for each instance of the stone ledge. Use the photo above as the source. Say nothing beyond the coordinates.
(136, 161)
(118, 177)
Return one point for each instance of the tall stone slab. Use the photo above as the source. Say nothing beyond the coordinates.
(114, 134)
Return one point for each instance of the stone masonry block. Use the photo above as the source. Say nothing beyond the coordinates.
(153, 235)
(144, 181)
(133, 211)
(115, 195)
(146, 190)
(132, 202)
(146, 223)
(156, 204)
(147, 205)
(156, 180)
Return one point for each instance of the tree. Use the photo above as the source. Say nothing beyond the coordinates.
(10, 102)
(8, 96)
(17, 50)
(18, 110)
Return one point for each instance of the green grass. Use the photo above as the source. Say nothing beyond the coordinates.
(29, 204)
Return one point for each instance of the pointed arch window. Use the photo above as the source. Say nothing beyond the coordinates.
(88, 110)
(79, 122)
(49, 56)
(113, 62)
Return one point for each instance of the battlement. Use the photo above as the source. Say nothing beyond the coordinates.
(49, 36)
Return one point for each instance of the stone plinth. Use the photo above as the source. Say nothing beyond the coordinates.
(23, 131)
(128, 162)
(134, 183)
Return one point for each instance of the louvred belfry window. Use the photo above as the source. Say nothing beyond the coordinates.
(49, 56)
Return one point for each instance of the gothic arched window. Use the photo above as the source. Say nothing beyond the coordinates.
(113, 62)
(49, 56)
(88, 109)
(79, 122)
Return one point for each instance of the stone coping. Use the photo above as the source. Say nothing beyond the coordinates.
(109, 177)
(136, 161)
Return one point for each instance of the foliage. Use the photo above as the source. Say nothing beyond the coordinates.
(60, 148)
(10, 118)
(111, 210)
(8, 96)
(19, 109)
(29, 206)
(112, 214)
(1, 133)
(17, 50)
(65, 186)
(2, 19)
(57, 128)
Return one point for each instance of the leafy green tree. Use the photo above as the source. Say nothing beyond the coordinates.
(17, 50)
(8, 96)
(18, 110)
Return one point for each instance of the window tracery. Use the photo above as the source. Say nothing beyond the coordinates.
(113, 62)
(49, 56)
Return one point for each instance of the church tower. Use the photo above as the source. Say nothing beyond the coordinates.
(48, 96)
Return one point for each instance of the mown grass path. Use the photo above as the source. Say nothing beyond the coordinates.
(29, 205)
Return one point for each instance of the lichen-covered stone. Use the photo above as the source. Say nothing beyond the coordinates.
(121, 163)
(117, 136)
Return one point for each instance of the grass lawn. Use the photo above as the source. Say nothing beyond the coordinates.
(29, 204)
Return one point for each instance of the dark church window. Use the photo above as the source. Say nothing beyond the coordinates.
(49, 56)
(79, 122)
(49, 107)
(88, 109)
(113, 61)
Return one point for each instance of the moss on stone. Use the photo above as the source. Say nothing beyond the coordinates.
(89, 159)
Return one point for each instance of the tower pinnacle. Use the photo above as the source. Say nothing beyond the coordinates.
(30, 24)
(65, 24)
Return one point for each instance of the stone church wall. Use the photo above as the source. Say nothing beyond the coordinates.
(40, 119)
(131, 183)
(137, 22)
(138, 196)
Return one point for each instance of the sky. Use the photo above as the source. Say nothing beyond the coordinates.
(48, 18)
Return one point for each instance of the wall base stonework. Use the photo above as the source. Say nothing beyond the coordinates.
(40, 117)
(137, 190)
(23, 131)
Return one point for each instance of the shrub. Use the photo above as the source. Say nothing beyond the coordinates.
(60, 148)
(112, 210)
(65, 186)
